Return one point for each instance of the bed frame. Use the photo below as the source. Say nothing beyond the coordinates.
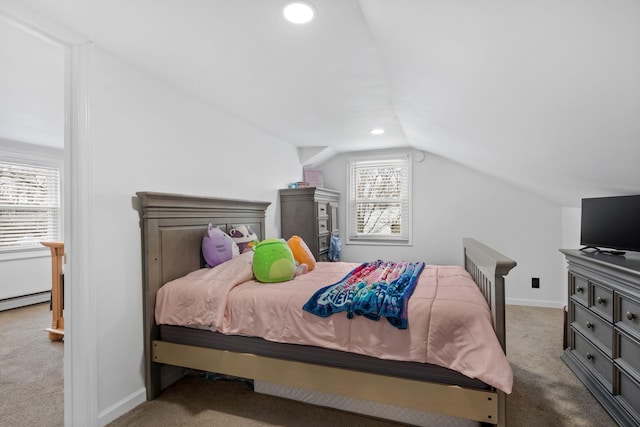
(172, 227)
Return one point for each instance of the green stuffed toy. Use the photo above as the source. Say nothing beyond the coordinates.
(273, 261)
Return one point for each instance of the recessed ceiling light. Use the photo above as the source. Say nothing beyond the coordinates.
(298, 12)
(377, 131)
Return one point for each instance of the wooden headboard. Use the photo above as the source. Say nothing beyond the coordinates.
(172, 229)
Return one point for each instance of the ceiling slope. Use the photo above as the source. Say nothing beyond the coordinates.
(544, 94)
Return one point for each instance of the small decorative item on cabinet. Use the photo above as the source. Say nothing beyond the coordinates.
(314, 176)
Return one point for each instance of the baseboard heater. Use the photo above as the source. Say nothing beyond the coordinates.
(24, 300)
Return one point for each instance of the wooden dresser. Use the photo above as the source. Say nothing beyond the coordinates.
(603, 329)
(312, 214)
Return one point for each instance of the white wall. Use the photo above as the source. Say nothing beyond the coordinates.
(147, 136)
(450, 202)
(571, 228)
(25, 275)
(570, 237)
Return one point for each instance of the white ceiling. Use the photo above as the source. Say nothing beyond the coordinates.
(31, 88)
(544, 94)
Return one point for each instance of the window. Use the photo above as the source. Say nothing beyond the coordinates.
(29, 205)
(379, 200)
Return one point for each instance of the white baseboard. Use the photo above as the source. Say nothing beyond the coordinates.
(25, 300)
(122, 407)
(534, 303)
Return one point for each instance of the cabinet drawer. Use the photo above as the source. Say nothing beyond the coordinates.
(629, 393)
(628, 352)
(593, 359)
(593, 327)
(602, 302)
(323, 243)
(629, 314)
(322, 210)
(323, 226)
(323, 257)
(579, 288)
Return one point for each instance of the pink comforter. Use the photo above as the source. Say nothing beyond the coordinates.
(449, 321)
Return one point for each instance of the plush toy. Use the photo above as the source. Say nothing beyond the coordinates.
(301, 269)
(273, 261)
(243, 235)
(335, 246)
(218, 247)
(301, 252)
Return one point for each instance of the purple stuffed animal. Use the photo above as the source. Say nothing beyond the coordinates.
(218, 247)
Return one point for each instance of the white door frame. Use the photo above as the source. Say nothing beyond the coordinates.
(80, 342)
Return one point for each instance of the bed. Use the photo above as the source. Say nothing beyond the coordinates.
(172, 227)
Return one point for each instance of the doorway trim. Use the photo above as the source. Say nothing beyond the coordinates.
(80, 354)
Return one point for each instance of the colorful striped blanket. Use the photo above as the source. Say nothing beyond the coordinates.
(373, 290)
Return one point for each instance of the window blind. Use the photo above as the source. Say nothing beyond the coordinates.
(29, 205)
(379, 199)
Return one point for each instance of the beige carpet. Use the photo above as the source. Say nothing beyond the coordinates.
(31, 375)
(545, 392)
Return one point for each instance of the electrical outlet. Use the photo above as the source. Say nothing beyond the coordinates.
(535, 282)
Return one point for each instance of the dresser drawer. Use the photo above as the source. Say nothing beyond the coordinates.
(323, 243)
(322, 210)
(629, 393)
(579, 288)
(593, 327)
(628, 314)
(628, 352)
(602, 302)
(593, 359)
(323, 226)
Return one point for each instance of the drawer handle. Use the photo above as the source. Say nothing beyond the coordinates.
(601, 300)
(630, 315)
(589, 356)
(580, 289)
(589, 325)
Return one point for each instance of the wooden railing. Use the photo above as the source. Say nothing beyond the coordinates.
(56, 331)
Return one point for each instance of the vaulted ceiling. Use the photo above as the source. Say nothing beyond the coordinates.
(544, 94)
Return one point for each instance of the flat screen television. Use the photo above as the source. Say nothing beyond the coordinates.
(611, 224)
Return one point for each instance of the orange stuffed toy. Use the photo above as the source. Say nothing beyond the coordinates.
(301, 252)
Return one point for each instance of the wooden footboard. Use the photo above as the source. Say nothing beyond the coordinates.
(172, 228)
(488, 268)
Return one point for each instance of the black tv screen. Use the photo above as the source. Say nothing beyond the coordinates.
(611, 222)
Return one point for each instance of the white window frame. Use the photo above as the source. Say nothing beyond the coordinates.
(405, 237)
(35, 156)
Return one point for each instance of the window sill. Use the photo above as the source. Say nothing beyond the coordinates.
(378, 242)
